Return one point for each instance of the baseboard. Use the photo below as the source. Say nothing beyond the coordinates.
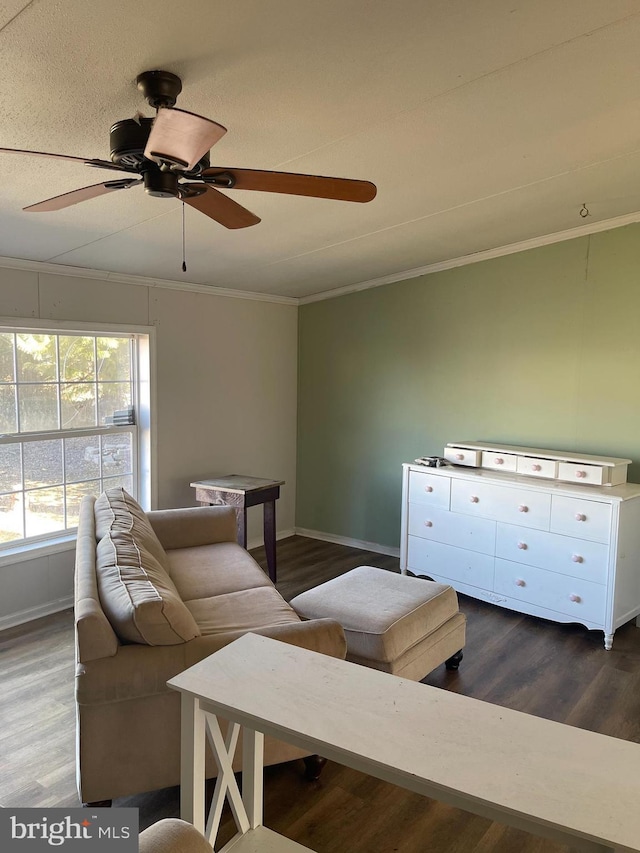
(281, 534)
(38, 612)
(346, 540)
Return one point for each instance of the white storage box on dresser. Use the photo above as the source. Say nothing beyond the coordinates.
(564, 552)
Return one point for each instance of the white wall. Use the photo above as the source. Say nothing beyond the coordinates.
(225, 378)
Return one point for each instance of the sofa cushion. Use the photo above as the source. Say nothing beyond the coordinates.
(117, 512)
(242, 611)
(210, 570)
(138, 596)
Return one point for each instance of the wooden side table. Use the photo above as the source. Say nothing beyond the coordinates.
(242, 492)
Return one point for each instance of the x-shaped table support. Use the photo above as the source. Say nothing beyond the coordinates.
(246, 807)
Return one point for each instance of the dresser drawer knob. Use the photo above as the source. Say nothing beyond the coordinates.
(459, 456)
(577, 558)
(536, 467)
(523, 546)
(428, 488)
(428, 524)
(581, 474)
(523, 508)
(499, 461)
(520, 582)
(574, 597)
(474, 499)
(580, 516)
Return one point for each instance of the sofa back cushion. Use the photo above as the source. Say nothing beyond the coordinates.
(117, 512)
(138, 596)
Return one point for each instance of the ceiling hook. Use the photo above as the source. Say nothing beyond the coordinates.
(584, 211)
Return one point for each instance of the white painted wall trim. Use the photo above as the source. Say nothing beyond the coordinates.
(192, 287)
(345, 540)
(35, 612)
(280, 534)
(23, 553)
(121, 278)
(476, 257)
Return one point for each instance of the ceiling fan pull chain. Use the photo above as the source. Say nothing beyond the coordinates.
(184, 262)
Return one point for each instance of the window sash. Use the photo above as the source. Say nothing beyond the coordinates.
(60, 492)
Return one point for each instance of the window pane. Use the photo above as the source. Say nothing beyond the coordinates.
(38, 407)
(36, 358)
(75, 493)
(125, 482)
(82, 458)
(114, 358)
(116, 454)
(7, 373)
(45, 511)
(8, 421)
(10, 472)
(112, 396)
(42, 463)
(78, 405)
(11, 518)
(77, 359)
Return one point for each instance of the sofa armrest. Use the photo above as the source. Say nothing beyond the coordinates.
(194, 526)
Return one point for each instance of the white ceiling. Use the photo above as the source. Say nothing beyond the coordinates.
(482, 123)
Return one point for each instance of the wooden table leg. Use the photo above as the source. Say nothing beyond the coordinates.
(270, 537)
(192, 752)
(241, 525)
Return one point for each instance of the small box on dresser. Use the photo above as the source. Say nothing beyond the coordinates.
(564, 552)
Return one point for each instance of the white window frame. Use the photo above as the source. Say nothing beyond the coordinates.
(144, 401)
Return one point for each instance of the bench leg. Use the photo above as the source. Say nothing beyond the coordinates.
(313, 767)
(453, 662)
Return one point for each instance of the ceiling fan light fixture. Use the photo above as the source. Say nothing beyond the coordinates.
(181, 139)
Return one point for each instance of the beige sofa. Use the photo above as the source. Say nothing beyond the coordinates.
(154, 594)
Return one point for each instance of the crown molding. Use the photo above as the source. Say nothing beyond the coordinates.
(104, 275)
(476, 257)
(404, 275)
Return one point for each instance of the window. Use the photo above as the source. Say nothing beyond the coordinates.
(70, 409)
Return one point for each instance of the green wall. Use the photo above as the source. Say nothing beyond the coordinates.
(538, 348)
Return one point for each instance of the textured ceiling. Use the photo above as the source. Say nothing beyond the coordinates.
(482, 124)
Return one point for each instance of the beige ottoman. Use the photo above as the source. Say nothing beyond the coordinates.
(399, 624)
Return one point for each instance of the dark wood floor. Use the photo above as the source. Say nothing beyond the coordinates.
(561, 672)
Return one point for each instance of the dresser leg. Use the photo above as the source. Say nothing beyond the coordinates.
(608, 642)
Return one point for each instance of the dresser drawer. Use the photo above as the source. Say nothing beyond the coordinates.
(499, 461)
(476, 534)
(577, 558)
(596, 475)
(425, 557)
(533, 467)
(461, 456)
(579, 599)
(515, 506)
(581, 518)
(429, 489)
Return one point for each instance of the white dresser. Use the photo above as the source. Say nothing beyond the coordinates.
(569, 553)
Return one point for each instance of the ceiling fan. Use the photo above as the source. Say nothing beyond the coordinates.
(169, 155)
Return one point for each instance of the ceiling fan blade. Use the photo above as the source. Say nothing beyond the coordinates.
(88, 161)
(220, 207)
(181, 138)
(317, 186)
(84, 194)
